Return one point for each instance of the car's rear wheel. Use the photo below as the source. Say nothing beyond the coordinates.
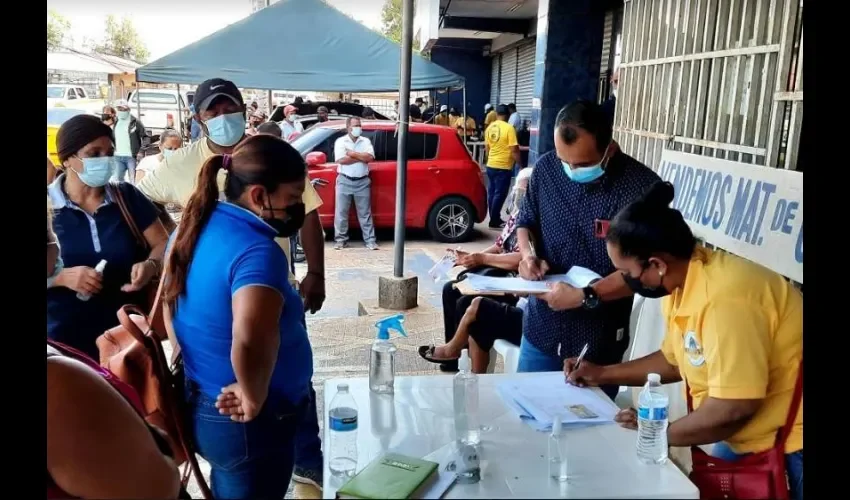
(451, 220)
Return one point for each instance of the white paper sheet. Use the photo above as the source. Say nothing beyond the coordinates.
(577, 276)
(446, 479)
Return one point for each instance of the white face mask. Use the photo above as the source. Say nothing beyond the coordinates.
(356, 131)
(614, 92)
(291, 118)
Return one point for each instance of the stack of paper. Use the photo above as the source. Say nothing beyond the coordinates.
(577, 276)
(538, 399)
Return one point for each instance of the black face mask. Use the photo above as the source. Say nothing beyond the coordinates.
(104, 117)
(294, 219)
(639, 288)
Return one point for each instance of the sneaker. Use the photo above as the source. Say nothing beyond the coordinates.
(300, 257)
(371, 246)
(307, 476)
(339, 245)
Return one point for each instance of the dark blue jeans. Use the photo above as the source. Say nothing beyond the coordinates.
(532, 359)
(308, 444)
(251, 460)
(793, 467)
(497, 192)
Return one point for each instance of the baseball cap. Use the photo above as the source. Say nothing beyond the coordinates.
(488, 106)
(443, 108)
(121, 103)
(216, 87)
(289, 109)
(502, 109)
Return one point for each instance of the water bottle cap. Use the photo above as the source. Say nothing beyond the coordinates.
(342, 387)
(654, 378)
(463, 362)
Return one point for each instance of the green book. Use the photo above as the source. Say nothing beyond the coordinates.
(391, 476)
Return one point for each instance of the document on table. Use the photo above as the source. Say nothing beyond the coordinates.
(538, 399)
(577, 276)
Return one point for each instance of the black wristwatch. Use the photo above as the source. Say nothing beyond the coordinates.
(591, 298)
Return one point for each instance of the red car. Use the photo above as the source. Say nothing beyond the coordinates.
(445, 187)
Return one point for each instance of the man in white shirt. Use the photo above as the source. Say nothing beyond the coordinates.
(353, 154)
(289, 127)
(515, 119)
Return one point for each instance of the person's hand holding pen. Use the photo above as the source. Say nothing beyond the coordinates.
(531, 267)
(582, 373)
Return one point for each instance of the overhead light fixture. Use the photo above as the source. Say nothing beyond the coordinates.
(516, 6)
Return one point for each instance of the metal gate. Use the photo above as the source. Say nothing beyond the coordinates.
(525, 78)
(494, 80)
(507, 85)
(719, 78)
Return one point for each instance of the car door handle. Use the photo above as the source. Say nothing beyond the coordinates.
(434, 169)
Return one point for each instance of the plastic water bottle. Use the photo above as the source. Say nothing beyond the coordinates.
(99, 270)
(382, 356)
(343, 433)
(652, 422)
(467, 423)
(558, 452)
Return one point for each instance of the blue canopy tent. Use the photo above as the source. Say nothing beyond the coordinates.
(297, 45)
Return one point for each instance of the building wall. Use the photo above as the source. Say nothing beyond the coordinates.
(466, 58)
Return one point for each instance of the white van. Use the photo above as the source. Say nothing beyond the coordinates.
(159, 109)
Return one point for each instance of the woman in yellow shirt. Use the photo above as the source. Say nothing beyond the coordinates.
(734, 334)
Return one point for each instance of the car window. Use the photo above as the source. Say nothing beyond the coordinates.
(55, 92)
(72, 94)
(420, 146)
(154, 98)
(81, 93)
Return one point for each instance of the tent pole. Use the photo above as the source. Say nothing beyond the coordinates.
(180, 114)
(403, 117)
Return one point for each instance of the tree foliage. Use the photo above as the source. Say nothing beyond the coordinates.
(122, 40)
(391, 22)
(57, 28)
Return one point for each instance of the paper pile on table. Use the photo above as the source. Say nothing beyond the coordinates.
(538, 399)
(577, 276)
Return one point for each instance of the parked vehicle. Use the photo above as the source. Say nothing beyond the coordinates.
(55, 118)
(445, 189)
(72, 96)
(159, 109)
(309, 109)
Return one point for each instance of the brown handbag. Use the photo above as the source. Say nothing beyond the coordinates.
(755, 476)
(133, 351)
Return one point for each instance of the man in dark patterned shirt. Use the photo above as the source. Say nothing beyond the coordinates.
(574, 192)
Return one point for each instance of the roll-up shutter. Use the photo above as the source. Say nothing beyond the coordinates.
(607, 60)
(525, 79)
(494, 82)
(507, 85)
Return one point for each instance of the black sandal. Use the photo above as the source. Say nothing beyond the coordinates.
(427, 353)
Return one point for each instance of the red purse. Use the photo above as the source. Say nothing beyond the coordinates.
(755, 476)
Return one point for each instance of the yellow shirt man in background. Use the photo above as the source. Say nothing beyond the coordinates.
(502, 149)
(442, 117)
(470, 126)
(490, 115)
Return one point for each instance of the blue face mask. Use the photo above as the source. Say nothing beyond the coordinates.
(167, 152)
(583, 175)
(226, 130)
(57, 268)
(96, 171)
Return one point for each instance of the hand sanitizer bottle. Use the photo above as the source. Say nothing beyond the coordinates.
(381, 360)
(99, 270)
(467, 423)
(558, 452)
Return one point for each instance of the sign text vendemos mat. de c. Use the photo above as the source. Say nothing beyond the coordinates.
(752, 211)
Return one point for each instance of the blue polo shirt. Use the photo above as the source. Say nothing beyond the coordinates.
(561, 214)
(236, 249)
(85, 239)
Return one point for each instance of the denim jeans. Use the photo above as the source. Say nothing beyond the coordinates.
(308, 444)
(125, 165)
(499, 183)
(793, 466)
(532, 359)
(250, 460)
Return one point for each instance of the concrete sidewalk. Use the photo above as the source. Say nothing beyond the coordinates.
(341, 338)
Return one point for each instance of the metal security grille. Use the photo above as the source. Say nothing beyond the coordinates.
(525, 78)
(494, 80)
(606, 60)
(507, 85)
(719, 78)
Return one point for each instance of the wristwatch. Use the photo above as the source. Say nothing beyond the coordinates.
(591, 298)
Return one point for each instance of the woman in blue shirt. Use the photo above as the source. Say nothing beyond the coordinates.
(237, 319)
(90, 227)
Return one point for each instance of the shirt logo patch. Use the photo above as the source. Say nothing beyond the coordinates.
(693, 350)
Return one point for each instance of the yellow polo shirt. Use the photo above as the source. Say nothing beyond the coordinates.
(735, 330)
(173, 181)
(441, 119)
(470, 125)
(500, 137)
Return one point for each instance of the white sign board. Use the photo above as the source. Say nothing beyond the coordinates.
(752, 211)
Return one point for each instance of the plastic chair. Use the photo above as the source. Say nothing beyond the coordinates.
(509, 352)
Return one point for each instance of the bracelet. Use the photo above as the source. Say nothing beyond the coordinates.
(315, 273)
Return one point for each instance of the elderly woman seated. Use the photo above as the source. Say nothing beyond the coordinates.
(479, 321)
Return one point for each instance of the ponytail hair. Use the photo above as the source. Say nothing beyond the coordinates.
(195, 216)
(649, 226)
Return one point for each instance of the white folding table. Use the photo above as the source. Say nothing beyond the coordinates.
(418, 420)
